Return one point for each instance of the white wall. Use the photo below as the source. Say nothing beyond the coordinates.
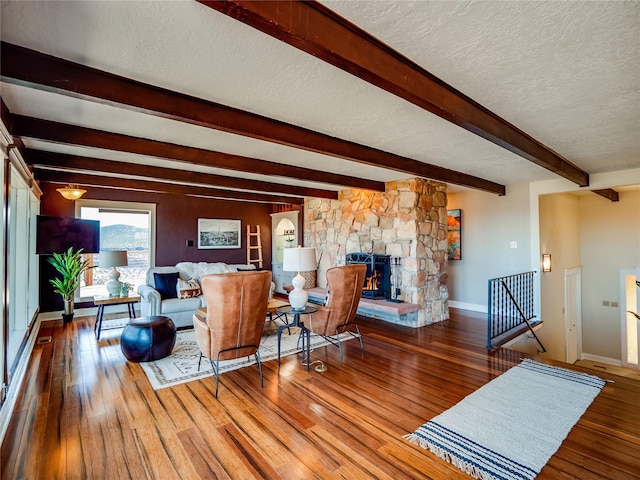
(588, 230)
(489, 224)
(610, 233)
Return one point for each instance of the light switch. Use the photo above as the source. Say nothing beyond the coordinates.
(513, 244)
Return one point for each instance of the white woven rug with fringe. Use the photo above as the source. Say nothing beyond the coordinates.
(509, 428)
(182, 365)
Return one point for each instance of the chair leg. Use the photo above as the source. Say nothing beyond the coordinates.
(360, 338)
(346, 329)
(215, 371)
(200, 360)
(338, 343)
(257, 355)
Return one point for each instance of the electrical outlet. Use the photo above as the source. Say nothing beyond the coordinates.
(605, 303)
(614, 304)
(189, 243)
(513, 244)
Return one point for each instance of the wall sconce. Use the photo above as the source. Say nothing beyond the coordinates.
(71, 192)
(546, 262)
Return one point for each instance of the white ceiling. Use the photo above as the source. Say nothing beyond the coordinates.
(567, 73)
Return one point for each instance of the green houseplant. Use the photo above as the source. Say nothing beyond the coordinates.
(70, 266)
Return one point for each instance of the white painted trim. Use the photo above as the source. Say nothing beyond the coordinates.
(6, 412)
(598, 358)
(474, 307)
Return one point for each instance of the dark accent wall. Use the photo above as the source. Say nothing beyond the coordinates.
(176, 222)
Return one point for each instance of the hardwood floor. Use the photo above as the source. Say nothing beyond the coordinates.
(85, 412)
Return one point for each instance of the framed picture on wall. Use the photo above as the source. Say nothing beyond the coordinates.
(218, 233)
(454, 234)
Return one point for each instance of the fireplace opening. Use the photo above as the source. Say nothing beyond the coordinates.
(377, 284)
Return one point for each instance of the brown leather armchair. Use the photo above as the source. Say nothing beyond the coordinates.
(337, 315)
(236, 311)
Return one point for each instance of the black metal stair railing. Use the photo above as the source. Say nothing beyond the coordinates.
(511, 308)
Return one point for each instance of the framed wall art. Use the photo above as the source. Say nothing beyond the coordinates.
(454, 234)
(218, 233)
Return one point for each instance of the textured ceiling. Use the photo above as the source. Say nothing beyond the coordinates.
(567, 73)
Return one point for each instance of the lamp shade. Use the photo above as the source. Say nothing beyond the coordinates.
(112, 258)
(300, 259)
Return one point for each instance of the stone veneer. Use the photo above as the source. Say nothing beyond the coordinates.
(408, 220)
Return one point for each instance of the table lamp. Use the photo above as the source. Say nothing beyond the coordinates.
(301, 259)
(109, 259)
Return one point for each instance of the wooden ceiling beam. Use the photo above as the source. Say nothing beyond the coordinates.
(39, 158)
(70, 134)
(98, 181)
(608, 193)
(37, 70)
(317, 30)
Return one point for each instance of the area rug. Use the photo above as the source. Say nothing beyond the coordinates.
(182, 365)
(509, 428)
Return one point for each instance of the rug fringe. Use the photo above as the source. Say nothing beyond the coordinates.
(463, 465)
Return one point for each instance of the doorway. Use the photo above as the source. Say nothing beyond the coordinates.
(630, 304)
(573, 314)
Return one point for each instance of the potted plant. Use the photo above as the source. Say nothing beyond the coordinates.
(70, 266)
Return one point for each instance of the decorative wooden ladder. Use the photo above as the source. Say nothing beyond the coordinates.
(254, 246)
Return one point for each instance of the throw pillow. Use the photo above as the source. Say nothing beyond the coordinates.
(188, 288)
(166, 284)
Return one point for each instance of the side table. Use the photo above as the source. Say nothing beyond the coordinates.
(102, 300)
(272, 307)
(306, 333)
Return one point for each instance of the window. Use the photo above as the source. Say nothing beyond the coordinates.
(123, 226)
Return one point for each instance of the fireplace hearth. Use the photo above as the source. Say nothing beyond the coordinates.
(378, 279)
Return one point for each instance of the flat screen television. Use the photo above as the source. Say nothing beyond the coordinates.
(57, 234)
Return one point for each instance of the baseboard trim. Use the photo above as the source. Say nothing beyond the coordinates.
(598, 358)
(468, 306)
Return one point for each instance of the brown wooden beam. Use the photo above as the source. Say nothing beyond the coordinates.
(37, 70)
(608, 193)
(62, 133)
(40, 158)
(71, 134)
(159, 187)
(317, 30)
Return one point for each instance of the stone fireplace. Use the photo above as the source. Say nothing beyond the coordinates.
(407, 222)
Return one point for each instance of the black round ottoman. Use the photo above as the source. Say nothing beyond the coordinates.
(146, 339)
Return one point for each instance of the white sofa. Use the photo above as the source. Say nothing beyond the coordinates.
(180, 310)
